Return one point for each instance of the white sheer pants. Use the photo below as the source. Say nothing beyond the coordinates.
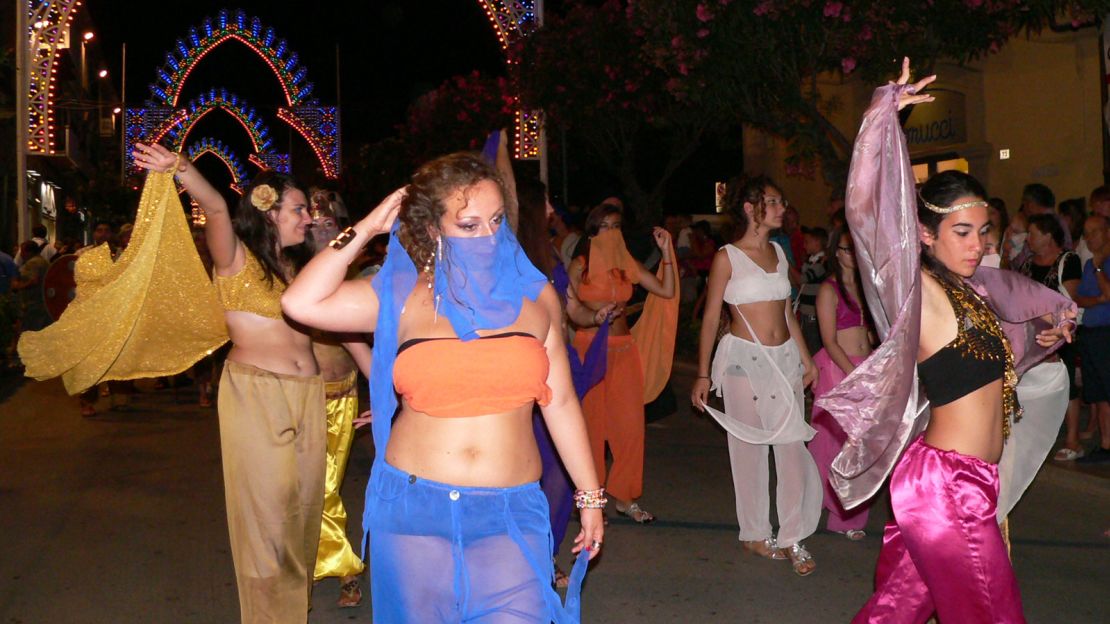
(798, 493)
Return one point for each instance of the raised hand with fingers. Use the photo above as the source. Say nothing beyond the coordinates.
(154, 157)
(913, 95)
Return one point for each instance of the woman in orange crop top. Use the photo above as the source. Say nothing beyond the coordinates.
(614, 408)
(456, 522)
(271, 398)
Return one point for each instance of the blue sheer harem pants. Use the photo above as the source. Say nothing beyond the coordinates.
(447, 553)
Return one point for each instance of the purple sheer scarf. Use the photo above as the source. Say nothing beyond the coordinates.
(879, 405)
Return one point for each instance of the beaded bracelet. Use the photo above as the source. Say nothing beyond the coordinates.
(590, 499)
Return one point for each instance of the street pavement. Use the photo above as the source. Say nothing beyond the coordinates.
(120, 518)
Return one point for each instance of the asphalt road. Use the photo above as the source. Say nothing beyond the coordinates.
(120, 518)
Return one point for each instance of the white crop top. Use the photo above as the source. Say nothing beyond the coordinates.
(750, 283)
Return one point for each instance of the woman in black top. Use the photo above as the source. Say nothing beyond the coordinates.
(1060, 270)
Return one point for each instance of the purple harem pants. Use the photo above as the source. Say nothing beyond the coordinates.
(943, 551)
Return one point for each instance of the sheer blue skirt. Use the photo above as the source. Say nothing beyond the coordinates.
(448, 553)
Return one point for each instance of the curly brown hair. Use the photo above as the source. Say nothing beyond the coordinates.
(424, 202)
(747, 190)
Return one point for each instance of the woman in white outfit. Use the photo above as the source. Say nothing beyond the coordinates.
(761, 369)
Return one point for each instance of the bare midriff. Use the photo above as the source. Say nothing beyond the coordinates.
(270, 344)
(767, 318)
(618, 326)
(493, 450)
(854, 340)
(334, 362)
(971, 425)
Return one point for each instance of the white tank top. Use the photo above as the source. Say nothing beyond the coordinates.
(750, 283)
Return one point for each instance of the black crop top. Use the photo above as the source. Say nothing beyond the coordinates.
(978, 355)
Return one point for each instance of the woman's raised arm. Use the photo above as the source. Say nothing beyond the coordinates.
(222, 242)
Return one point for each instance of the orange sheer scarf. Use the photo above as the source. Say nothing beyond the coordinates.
(610, 276)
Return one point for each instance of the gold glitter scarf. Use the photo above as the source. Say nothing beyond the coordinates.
(152, 313)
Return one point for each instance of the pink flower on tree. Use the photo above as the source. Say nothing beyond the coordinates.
(703, 13)
(847, 64)
(833, 8)
(703, 33)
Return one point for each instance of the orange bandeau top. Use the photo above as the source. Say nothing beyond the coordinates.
(449, 378)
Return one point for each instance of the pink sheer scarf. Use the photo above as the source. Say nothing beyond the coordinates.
(879, 405)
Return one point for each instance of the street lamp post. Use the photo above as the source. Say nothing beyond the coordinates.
(85, 38)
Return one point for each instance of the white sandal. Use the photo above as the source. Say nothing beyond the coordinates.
(1067, 454)
(638, 515)
(854, 535)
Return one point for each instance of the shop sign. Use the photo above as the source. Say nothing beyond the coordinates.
(939, 123)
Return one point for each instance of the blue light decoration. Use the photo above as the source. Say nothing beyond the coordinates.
(208, 145)
(163, 118)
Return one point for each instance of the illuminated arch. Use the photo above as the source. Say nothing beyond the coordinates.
(208, 145)
(319, 125)
(156, 124)
(226, 26)
(179, 127)
(47, 33)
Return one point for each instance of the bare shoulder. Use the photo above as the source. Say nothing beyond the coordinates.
(938, 319)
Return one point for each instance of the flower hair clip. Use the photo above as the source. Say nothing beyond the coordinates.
(263, 197)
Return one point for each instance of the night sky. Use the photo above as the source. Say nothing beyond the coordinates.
(390, 52)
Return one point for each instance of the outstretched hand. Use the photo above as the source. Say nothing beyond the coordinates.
(913, 95)
(154, 157)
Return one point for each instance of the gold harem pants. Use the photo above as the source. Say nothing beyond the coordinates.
(335, 556)
(272, 441)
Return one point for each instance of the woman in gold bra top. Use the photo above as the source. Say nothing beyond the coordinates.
(271, 399)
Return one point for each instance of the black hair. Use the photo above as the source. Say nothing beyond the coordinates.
(740, 191)
(1039, 194)
(591, 229)
(821, 233)
(1050, 225)
(999, 204)
(39, 231)
(943, 189)
(531, 195)
(704, 227)
(1075, 210)
(260, 235)
(837, 270)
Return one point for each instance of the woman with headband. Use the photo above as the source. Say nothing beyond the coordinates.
(957, 334)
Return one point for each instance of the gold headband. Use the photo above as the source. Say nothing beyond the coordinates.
(954, 207)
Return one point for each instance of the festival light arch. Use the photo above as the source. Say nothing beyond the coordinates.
(318, 124)
(219, 99)
(511, 20)
(47, 33)
(208, 145)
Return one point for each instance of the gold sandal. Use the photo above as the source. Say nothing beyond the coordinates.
(800, 559)
(350, 594)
